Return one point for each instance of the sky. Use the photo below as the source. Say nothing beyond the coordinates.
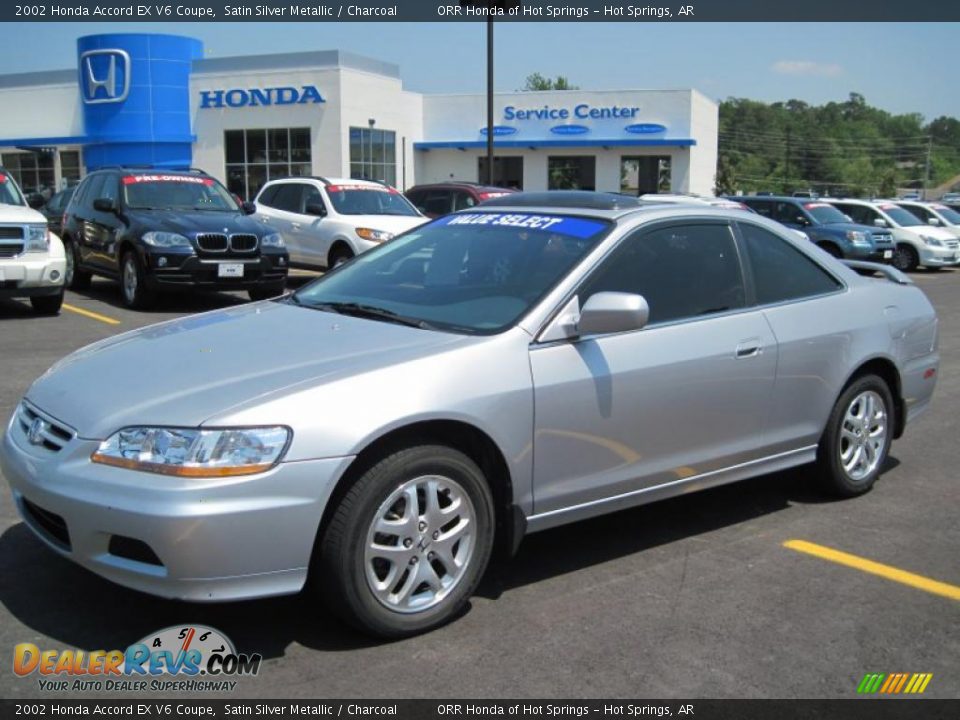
(899, 67)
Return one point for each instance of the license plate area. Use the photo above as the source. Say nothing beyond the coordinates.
(887, 254)
(230, 270)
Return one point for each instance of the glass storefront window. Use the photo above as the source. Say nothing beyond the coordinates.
(373, 154)
(255, 156)
(572, 172)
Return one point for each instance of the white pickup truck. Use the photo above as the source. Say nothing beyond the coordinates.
(32, 261)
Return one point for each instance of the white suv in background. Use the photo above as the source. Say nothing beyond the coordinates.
(325, 222)
(32, 262)
(917, 242)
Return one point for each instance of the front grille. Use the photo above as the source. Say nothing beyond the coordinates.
(212, 242)
(42, 430)
(49, 524)
(9, 250)
(952, 244)
(883, 239)
(243, 243)
(8, 232)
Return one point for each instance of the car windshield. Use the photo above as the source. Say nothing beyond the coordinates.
(9, 194)
(369, 200)
(473, 273)
(180, 192)
(902, 217)
(948, 214)
(824, 213)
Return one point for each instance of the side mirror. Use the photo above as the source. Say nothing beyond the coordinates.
(316, 209)
(934, 221)
(35, 200)
(105, 205)
(880, 222)
(248, 207)
(613, 312)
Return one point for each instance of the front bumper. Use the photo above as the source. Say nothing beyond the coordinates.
(168, 269)
(211, 539)
(32, 275)
(939, 256)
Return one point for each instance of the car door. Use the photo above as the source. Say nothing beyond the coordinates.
(281, 212)
(83, 229)
(313, 240)
(683, 397)
(810, 316)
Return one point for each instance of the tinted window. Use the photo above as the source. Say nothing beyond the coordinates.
(920, 211)
(288, 197)
(312, 196)
(780, 271)
(269, 193)
(789, 214)
(109, 189)
(684, 271)
(762, 207)
(92, 189)
(463, 200)
(437, 203)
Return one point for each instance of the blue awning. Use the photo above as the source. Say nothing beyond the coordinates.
(533, 144)
(74, 140)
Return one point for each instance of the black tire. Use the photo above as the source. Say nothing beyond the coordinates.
(138, 296)
(905, 258)
(266, 292)
(835, 477)
(338, 566)
(75, 278)
(47, 304)
(832, 250)
(339, 255)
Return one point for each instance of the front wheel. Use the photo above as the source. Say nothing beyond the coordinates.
(47, 304)
(905, 258)
(857, 438)
(408, 543)
(133, 290)
(339, 255)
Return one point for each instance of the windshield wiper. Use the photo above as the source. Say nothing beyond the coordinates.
(372, 312)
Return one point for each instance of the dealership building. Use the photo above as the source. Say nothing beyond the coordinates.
(148, 99)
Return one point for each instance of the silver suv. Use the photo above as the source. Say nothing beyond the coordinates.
(32, 262)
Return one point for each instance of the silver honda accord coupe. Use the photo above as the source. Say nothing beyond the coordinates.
(545, 358)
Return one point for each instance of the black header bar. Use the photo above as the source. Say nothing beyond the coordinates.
(637, 11)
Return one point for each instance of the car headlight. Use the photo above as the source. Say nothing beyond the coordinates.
(274, 240)
(374, 235)
(857, 237)
(189, 452)
(38, 239)
(931, 241)
(157, 238)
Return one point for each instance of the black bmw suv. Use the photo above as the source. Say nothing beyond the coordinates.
(155, 230)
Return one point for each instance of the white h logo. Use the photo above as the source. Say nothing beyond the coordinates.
(90, 83)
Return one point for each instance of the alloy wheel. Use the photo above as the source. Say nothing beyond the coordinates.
(863, 435)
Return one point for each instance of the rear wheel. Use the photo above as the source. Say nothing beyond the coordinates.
(133, 290)
(857, 438)
(408, 543)
(905, 258)
(47, 304)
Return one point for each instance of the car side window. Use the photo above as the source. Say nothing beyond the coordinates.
(859, 214)
(789, 214)
(92, 191)
(288, 198)
(110, 189)
(312, 196)
(683, 271)
(267, 196)
(780, 271)
(763, 207)
(921, 212)
(437, 203)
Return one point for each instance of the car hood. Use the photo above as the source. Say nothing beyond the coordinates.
(20, 214)
(845, 227)
(395, 224)
(186, 371)
(191, 223)
(930, 231)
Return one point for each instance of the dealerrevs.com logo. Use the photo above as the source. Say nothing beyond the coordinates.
(181, 658)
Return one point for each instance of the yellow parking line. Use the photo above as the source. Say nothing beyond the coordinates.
(89, 314)
(874, 568)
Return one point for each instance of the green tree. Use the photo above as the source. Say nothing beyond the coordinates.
(537, 82)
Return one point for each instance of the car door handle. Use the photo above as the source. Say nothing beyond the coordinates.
(295, 225)
(749, 348)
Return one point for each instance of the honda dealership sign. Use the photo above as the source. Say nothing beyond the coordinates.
(104, 76)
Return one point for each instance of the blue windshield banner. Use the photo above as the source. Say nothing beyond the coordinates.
(572, 226)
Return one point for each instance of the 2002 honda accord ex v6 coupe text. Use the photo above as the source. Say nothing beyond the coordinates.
(524, 364)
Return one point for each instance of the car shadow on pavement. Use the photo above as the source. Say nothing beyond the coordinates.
(186, 301)
(56, 598)
(572, 547)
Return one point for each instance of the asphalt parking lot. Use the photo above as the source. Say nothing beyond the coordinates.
(695, 597)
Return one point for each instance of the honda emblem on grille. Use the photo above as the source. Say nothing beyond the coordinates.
(37, 428)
